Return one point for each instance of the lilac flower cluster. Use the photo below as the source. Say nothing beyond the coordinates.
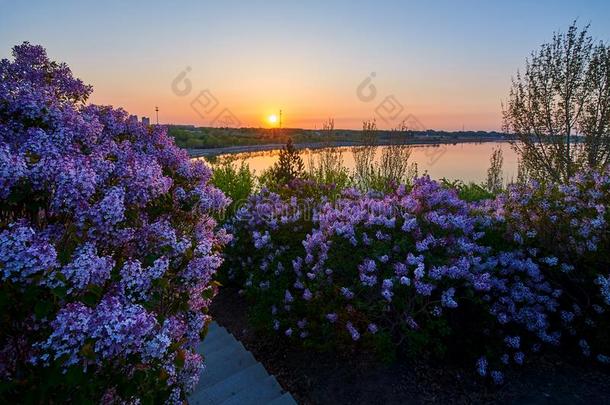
(406, 260)
(570, 220)
(266, 226)
(24, 254)
(107, 243)
(87, 268)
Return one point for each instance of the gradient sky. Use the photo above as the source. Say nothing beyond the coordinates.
(448, 63)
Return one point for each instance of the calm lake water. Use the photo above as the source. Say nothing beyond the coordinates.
(463, 161)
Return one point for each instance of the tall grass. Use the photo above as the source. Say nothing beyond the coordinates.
(468, 191)
(364, 156)
(236, 181)
(393, 166)
(326, 167)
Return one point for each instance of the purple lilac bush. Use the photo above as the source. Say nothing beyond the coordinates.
(567, 226)
(108, 245)
(422, 269)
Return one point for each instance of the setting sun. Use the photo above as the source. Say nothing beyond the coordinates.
(272, 119)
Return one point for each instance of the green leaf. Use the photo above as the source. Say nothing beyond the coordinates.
(60, 292)
(90, 299)
(95, 290)
(43, 308)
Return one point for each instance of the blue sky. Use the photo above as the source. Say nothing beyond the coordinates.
(447, 62)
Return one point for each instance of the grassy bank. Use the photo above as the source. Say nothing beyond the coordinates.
(191, 137)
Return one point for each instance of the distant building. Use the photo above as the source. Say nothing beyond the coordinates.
(132, 121)
(145, 120)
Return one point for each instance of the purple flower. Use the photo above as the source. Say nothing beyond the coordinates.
(603, 359)
(332, 317)
(584, 346)
(87, 268)
(447, 298)
(482, 366)
(12, 169)
(347, 293)
(352, 331)
(519, 357)
(512, 341)
(604, 287)
(23, 253)
(497, 377)
(288, 297)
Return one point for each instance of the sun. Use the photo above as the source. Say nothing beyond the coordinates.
(272, 119)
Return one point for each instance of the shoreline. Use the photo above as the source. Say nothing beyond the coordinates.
(229, 150)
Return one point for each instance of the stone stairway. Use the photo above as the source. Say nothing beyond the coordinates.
(233, 376)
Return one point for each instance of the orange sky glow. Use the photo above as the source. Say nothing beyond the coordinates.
(443, 64)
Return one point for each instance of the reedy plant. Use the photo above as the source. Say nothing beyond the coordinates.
(391, 169)
(326, 167)
(495, 181)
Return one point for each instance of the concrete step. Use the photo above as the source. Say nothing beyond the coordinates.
(213, 332)
(213, 326)
(285, 399)
(232, 375)
(225, 352)
(208, 347)
(260, 393)
(223, 390)
(223, 363)
(217, 334)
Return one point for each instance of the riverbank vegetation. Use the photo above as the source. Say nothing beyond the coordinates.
(193, 138)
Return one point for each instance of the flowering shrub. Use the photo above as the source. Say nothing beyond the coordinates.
(107, 245)
(568, 227)
(420, 269)
(264, 214)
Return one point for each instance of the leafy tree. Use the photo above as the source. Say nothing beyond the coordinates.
(559, 108)
(289, 166)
